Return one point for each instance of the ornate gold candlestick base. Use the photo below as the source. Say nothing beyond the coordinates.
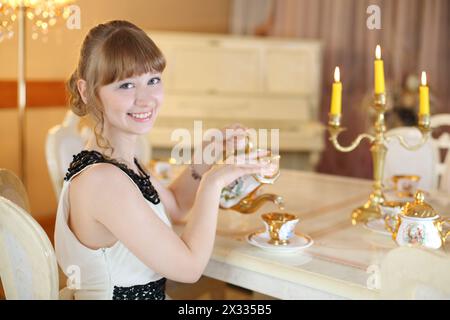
(370, 210)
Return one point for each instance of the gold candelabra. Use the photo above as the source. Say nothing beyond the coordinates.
(378, 141)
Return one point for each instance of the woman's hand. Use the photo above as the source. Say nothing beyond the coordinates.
(237, 134)
(182, 193)
(236, 139)
(232, 137)
(221, 175)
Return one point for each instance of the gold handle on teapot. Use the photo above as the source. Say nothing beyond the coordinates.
(443, 234)
(387, 222)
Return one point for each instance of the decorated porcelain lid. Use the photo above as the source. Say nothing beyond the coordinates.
(419, 208)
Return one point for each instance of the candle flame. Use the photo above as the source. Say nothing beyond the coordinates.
(424, 78)
(378, 52)
(337, 75)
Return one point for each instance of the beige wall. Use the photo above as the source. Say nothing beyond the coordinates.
(38, 184)
(56, 59)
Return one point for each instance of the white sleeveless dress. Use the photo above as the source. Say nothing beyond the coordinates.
(105, 273)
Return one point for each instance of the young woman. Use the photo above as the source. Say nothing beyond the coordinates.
(113, 227)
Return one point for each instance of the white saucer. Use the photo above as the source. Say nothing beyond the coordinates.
(377, 225)
(297, 242)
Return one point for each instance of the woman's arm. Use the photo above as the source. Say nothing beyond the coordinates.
(179, 197)
(120, 207)
(184, 190)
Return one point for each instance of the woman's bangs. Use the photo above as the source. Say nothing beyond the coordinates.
(128, 53)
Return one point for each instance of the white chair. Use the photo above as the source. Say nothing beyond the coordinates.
(444, 184)
(413, 273)
(421, 162)
(442, 143)
(13, 189)
(65, 140)
(28, 267)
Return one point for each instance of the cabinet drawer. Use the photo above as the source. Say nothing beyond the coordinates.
(235, 107)
(215, 70)
(290, 72)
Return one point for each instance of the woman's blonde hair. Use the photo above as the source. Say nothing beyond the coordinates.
(110, 52)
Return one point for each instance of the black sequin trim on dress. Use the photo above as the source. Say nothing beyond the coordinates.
(88, 157)
(154, 290)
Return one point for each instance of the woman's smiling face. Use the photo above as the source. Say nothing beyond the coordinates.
(132, 104)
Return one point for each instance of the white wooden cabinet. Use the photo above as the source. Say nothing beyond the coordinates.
(260, 82)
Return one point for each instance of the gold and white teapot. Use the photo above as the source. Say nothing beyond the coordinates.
(243, 194)
(418, 224)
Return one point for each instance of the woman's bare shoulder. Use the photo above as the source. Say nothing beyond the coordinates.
(101, 181)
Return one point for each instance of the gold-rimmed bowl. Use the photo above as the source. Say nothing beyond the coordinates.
(405, 186)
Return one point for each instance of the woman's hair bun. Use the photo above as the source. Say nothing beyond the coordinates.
(75, 101)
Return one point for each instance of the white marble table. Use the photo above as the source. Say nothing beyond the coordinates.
(342, 262)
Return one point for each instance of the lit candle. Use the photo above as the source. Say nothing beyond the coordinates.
(336, 94)
(379, 72)
(424, 108)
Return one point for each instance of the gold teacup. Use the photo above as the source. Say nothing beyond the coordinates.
(405, 185)
(280, 227)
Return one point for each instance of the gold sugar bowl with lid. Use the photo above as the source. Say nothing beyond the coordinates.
(418, 224)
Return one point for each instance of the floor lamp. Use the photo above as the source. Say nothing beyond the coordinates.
(43, 14)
